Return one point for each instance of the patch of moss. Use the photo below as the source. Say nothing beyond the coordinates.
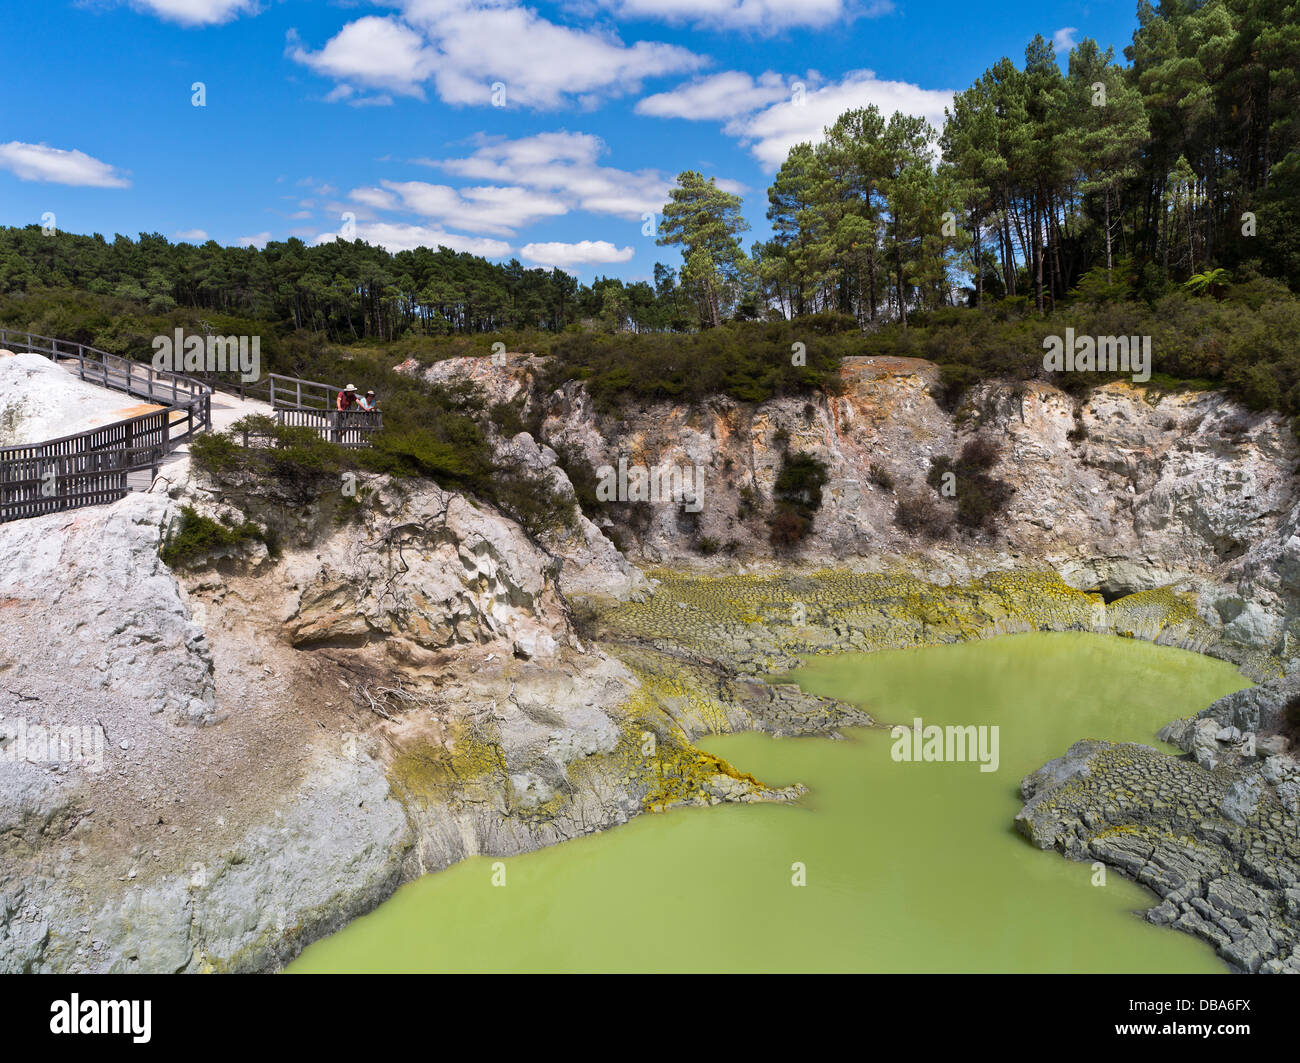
(432, 773)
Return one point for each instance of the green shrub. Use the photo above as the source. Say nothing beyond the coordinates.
(981, 498)
(534, 504)
(798, 495)
(196, 538)
(508, 418)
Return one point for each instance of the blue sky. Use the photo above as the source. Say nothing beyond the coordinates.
(381, 119)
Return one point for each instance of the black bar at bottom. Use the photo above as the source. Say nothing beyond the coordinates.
(923, 1013)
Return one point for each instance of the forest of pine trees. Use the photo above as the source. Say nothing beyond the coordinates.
(1182, 162)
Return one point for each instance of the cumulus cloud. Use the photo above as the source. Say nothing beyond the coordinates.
(485, 208)
(518, 183)
(565, 166)
(1064, 40)
(464, 47)
(400, 237)
(197, 12)
(40, 162)
(258, 240)
(763, 15)
(345, 93)
(583, 253)
(192, 236)
(728, 95)
(771, 132)
(378, 51)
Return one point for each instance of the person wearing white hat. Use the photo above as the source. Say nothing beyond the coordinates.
(345, 403)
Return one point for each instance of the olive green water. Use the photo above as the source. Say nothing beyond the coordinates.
(909, 867)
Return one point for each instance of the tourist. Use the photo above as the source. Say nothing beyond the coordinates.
(345, 403)
(368, 403)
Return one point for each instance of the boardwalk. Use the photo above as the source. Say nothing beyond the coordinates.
(104, 463)
(97, 465)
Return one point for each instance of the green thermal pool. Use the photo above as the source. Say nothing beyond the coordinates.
(909, 866)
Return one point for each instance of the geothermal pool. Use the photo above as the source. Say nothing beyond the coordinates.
(909, 866)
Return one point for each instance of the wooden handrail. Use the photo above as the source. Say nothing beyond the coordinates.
(350, 428)
(98, 460)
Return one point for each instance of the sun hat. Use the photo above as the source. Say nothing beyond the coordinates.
(350, 387)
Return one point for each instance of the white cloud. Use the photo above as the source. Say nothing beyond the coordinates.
(345, 93)
(378, 198)
(40, 162)
(197, 12)
(397, 237)
(465, 46)
(1064, 40)
(727, 95)
(583, 253)
(764, 15)
(191, 236)
(773, 131)
(258, 240)
(526, 180)
(485, 208)
(564, 165)
(377, 51)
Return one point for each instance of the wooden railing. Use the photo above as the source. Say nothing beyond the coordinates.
(91, 467)
(276, 389)
(351, 428)
(302, 403)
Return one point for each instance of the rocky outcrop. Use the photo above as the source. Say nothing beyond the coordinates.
(1128, 490)
(1219, 848)
(589, 563)
(85, 594)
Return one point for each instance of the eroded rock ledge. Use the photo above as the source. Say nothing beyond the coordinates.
(1220, 847)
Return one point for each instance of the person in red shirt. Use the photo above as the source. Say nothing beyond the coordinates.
(345, 403)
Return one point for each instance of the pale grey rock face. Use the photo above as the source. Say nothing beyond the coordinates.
(1242, 798)
(589, 563)
(87, 590)
(431, 567)
(333, 853)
